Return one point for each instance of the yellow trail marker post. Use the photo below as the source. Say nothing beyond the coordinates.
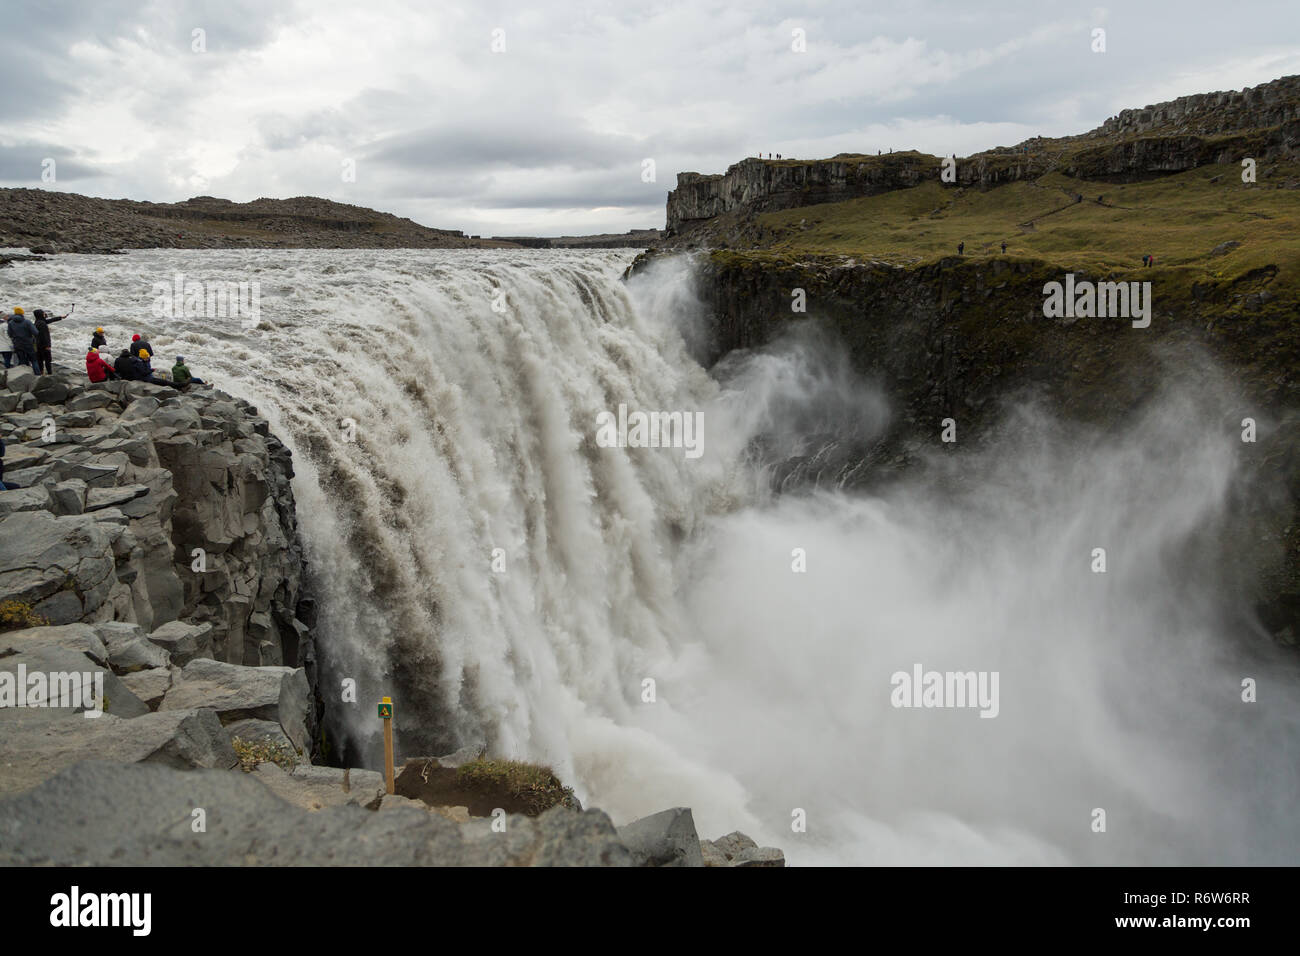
(386, 715)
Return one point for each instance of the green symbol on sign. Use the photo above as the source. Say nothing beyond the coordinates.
(386, 711)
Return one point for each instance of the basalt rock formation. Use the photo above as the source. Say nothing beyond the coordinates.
(1262, 122)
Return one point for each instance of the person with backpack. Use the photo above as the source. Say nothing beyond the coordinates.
(44, 346)
(23, 336)
(122, 365)
(182, 377)
(97, 369)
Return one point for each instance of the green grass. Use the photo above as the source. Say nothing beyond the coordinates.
(1179, 219)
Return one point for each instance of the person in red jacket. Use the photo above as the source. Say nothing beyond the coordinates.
(97, 368)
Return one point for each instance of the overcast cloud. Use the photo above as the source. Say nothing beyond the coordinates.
(549, 136)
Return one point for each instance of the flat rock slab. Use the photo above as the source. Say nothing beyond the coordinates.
(24, 499)
(82, 638)
(760, 856)
(316, 788)
(151, 685)
(104, 814)
(57, 663)
(97, 498)
(234, 692)
(37, 744)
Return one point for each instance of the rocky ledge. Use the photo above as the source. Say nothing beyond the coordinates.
(157, 665)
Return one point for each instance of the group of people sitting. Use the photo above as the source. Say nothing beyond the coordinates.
(135, 364)
(30, 344)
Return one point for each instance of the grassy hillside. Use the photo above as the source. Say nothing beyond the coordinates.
(1179, 219)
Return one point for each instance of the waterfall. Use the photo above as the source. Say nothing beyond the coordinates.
(638, 618)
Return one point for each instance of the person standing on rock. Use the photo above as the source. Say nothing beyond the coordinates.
(97, 369)
(98, 340)
(23, 335)
(44, 345)
(7, 353)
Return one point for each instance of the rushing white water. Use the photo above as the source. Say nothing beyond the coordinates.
(510, 582)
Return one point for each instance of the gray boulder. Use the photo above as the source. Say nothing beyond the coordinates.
(235, 693)
(184, 642)
(36, 744)
(67, 497)
(24, 499)
(150, 685)
(49, 390)
(90, 400)
(760, 856)
(667, 838)
(20, 379)
(129, 650)
(62, 656)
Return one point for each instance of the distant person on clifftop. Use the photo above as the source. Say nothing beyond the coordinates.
(1144, 260)
(961, 248)
(182, 377)
(98, 341)
(1004, 247)
(44, 345)
(97, 370)
(23, 336)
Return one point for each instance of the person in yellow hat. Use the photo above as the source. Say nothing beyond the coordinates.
(98, 341)
(139, 370)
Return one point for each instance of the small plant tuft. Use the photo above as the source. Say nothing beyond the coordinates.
(15, 615)
(535, 786)
(265, 750)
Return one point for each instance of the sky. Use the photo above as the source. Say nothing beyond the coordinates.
(548, 118)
